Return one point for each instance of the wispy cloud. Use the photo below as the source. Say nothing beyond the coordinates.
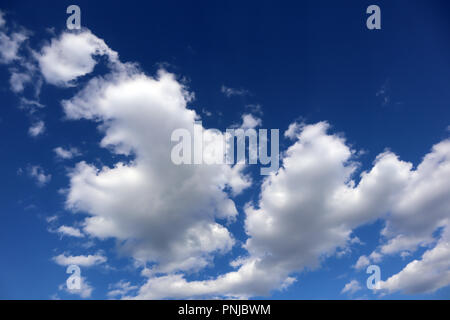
(229, 92)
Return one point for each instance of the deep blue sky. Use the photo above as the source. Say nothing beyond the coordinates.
(300, 60)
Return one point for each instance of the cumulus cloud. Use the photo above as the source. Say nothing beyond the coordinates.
(428, 274)
(362, 262)
(81, 261)
(70, 231)
(421, 206)
(300, 219)
(71, 56)
(172, 218)
(307, 211)
(250, 122)
(293, 130)
(351, 287)
(424, 204)
(160, 213)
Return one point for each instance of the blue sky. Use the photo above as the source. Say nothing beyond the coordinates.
(373, 101)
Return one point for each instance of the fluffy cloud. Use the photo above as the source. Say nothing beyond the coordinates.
(10, 45)
(308, 210)
(81, 261)
(362, 262)
(351, 287)
(160, 213)
(293, 130)
(250, 122)
(72, 56)
(421, 207)
(428, 274)
(171, 218)
(70, 231)
(248, 281)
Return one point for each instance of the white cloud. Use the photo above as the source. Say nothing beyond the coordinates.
(18, 81)
(362, 262)
(39, 175)
(121, 288)
(10, 42)
(72, 56)
(10, 45)
(69, 153)
(426, 275)
(250, 122)
(70, 231)
(307, 211)
(351, 287)
(293, 130)
(81, 261)
(160, 212)
(375, 257)
(421, 206)
(172, 216)
(51, 219)
(37, 128)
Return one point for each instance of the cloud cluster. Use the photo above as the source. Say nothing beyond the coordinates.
(173, 219)
(428, 274)
(160, 213)
(308, 210)
(166, 215)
